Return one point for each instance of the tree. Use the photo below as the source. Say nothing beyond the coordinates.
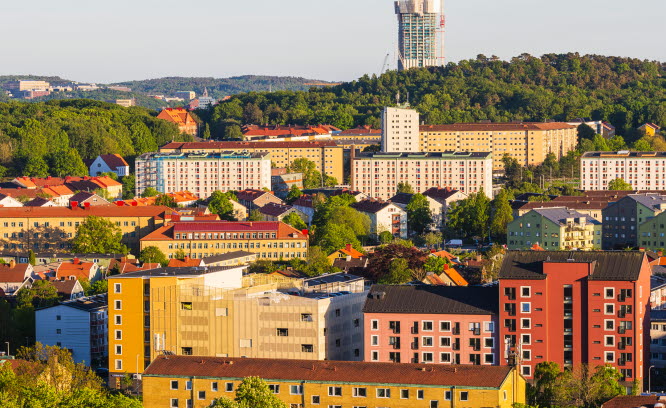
(152, 254)
(385, 237)
(150, 192)
(129, 183)
(501, 214)
(253, 392)
(318, 263)
(255, 215)
(85, 284)
(470, 216)
(585, 131)
(179, 254)
(398, 273)
(434, 264)
(380, 260)
(512, 170)
(642, 145)
(68, 162)
(98, 235)
(312, 178)
(432, 239)
(166, 200)
(419, 216)
(99, 287)
(220, 203)
(295, 221)
(35, 166)
(404, 188)
(294, 193)
(543, 392)
(41, 293)
(333, 236)
(224, 402)
(372, 148)
(619, 184)
(206, 132)
(262, 266)
(32, 260)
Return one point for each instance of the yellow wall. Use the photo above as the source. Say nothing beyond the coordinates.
(157, 393)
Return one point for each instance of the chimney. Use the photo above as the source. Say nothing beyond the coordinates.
(76, 261)
(73, 204)
(86, 206)
(12, 264)
(446, 267)
(348, 247)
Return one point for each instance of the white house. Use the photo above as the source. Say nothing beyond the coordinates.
(78, 325)
(107, 163)
(8, 201)
(14, 276)
(439, 201)
(384, 216)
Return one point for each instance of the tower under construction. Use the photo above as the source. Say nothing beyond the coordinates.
(420, 33)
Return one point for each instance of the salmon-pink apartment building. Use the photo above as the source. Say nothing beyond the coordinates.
(432, 324)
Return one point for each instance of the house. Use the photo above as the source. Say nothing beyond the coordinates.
(650, 129)
(658, 340)
(336, 191)
(181, 198)
(305, 204)
(127, 265)
(230, 259)
(451, 277)
(282, 181)
(69, 289)
(76, 269)
(556, 228)
(60, 190)
(254, 199)
(181, 118)
(83, 197)
(276, 212)
(658, 288)
(185, 262)
(15, 276)
(109, 163)
(343, 253)
(40, 202)
(384, 216)
(9, 201)
(78, 325)
(439, 201)
(351, 265)
(635, 401)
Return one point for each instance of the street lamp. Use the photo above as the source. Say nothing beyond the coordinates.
(650, 379)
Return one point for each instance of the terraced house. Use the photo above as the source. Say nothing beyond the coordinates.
(556, 228)
(182, 381)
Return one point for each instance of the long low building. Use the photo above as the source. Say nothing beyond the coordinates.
(203, 173)
(181, 381)
(268, 239)
(327, 155)
(378, 174)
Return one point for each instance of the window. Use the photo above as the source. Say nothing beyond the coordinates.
(374, 324)
(246, 343)
(525, 291)
(315, 399)
(58, 331)
(119, 319)
(229, 387)
(434, 404)
(119, 364)
(526, 339)
(525, 323)
(419, 394)
(383, 393)
(445, 341)
(464, 395)
(296, 390)
(609, 340)
(174, 402)
(188, 385)
(427, 341)
(282, 332)
(445, 357)
(306, 317)
(186, 351)
(609, 324)
(489, 358)
(444, 326)
(359, 392)
(118, 304)
(58, 317)
(609, 293)
(374, 340)
(525, 307)
(119, 349)
(527, 370)
(275, 388)
(201, 395)
(427, 325)
(174, 384)
(118, 334)
(447, 395)
(609, 309)
(404, 394)
(488, 342)
(213, 386)
(116, 288)
(186, 305)
(307, 348)
(527, 355)
(334, 391)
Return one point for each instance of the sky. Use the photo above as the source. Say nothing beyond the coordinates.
(340, 40)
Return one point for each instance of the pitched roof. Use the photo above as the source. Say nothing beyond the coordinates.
(289, 130)
(178, 116)
(360, 131)
(350, 251)
(438, 194)
(250, 194)
(649, 200)
(183, 271)
(304, 201)
(274, 209)
(179, 263)
(226, 256)
(559, 215)
(497, 126)
(330, 371)
(166, 232)
(444, 254)
(81, 270)
(82, 196)
(65, 288)
(114, 161)
(370, 206)
(401, 198)
(214, 145)
(631, 401)
(432, 299)
(14, 274)
(77, 212)
(608, 265)
(455, 276)
(38, 202)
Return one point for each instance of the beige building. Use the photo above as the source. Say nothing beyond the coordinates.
(28, 86)
(326, 155)
(400, 130)
(378, 174)
(643, 170)
(210, 311)
(203, 173)
(52, 228)
(528, 142)
(268, 239)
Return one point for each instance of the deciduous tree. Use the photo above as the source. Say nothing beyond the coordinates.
(98, 235)
(419, 216)
(619, 184)
(153, 254)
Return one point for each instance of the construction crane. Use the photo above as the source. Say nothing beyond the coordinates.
(384, 65)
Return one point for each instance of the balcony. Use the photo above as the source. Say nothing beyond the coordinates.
(621, 330)
(455, 330)
(396, 346)
(415, 345)
(621, 362)
(476, 331)
(621, 346)
(621, 314)
(415, 330)
(621, 297)
(456, 346)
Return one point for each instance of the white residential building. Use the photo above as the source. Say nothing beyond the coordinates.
(643, 170)
(8, 201)
(439, 201)
(203, 173)
(400, 130)
(78, 325)
(384, 216)
(109, 163)
(378, 174)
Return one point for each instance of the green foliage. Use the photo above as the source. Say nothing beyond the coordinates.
(585, 131)
(41, 293)
(255, 215)
(619, 184)
(153, 254)
(166, 200)
(253, 392)
(469, 217)
(380, 261)
(434, 264)
(398, 273)
(67, 162)
(294, 193)
(99, 287)
(129, 183)
(312, 178)
(419, 216)
(404, 187)
(501, 214)
(263, 266)
(333, 236)
(98, 235)
(35, 166)
(220, 203)
(385, 237)
(433, 238)
(150, 192)
(318, 263)
(85, 284)
(295, 221)
(32, 260)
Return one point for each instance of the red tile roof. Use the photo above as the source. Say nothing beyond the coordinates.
(81, 270)
(113, 161)
(187, 262)
(360, 131)
(274, 209)
(14, 274)
(100, 211)
(631, 401)
(212, 145)
(283, 231)
(254, 130)
(455, 276)
(480, 127)
(330, 371)
(178, 116)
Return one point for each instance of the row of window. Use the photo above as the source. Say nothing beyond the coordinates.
(429, 325)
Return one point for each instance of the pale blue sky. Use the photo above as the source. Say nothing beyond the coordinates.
(109, 41)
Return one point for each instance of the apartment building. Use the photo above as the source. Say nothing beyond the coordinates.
(180, 381)
(378, 174)
(203, 173)
(554, 228)
(643, 170)
(400, 130)
(28, 85)
(211, 311)
(270, 240)
(45, 229)
(432, 324)
(574, 308)
(326, 155)
(658, 340)
(527, 142)
(384, 216)
(622, 220)
(78, 325)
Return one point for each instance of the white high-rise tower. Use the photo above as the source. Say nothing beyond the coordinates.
(420, 33)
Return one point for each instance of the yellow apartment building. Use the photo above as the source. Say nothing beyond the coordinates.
(272, 240)
(52, 228)
(188, 381)
(326, 155)
(210, 311)
(527, 142)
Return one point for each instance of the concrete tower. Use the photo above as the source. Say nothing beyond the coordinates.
(420, 33)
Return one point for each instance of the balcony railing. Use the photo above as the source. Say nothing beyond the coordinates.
(415, 345)
(476, 331)
(621, 330)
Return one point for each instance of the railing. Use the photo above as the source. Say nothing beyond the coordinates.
(476, 331)
(621, 313)
(415, 330)
(456, 346)
(415, 345)
(396, 346)
(621, 330)
(621, 297)
(621, 346)
(455, 330)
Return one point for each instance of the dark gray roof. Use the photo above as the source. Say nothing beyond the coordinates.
(657, 282)
(88, 303)
(37, 202)
(402, 198)
(331, 278)
(559, 215)
(182, 271)
(422, 155)
(657, 315)
(370, 206)
(432, 299)
(649, 200)
(609, 265)
(226, 256)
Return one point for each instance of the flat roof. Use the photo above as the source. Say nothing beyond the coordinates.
(186, 271)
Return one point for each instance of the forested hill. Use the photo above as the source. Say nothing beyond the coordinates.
(627, 92)
(219, 87)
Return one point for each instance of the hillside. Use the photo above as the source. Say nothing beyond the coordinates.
(627, 92)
